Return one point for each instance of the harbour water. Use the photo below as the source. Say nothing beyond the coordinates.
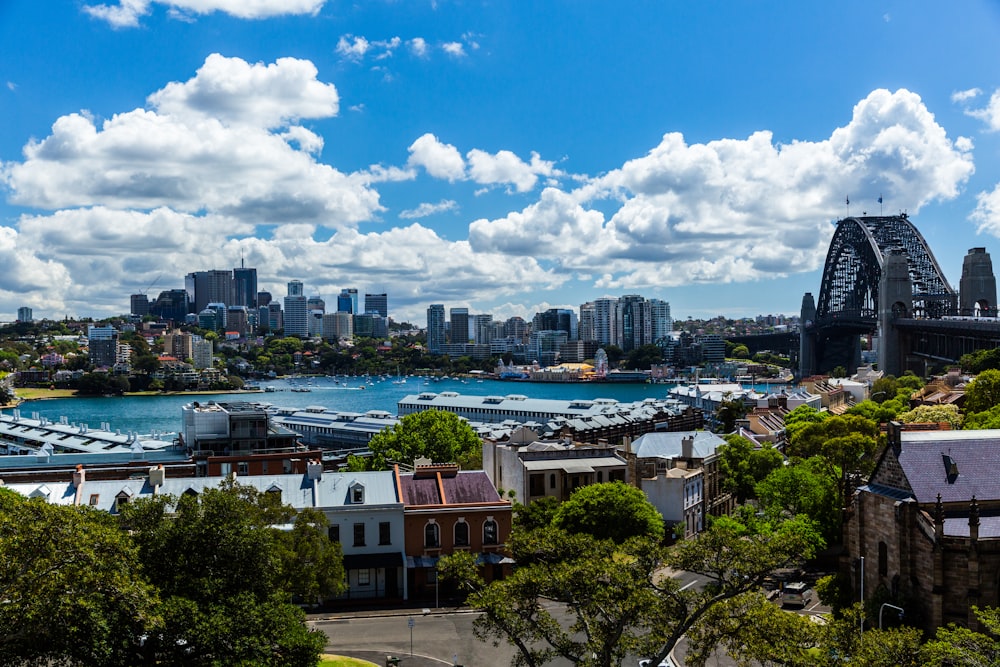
(145, 414)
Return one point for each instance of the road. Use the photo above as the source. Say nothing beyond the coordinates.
(444, 637)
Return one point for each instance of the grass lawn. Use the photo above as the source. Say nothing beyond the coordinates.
(32, 393)
(340, 661)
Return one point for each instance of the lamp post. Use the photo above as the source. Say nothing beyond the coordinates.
(891, 606)
(862, 595)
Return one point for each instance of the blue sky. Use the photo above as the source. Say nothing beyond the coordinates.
(502, 156)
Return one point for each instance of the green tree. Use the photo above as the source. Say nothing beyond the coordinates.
(801, 417)
(981, 420)
(839, 372)
(312, 565)
(983, 392)
(536, 514)
(955, 646)
(217, 564)
(729, 411)
(741, 352)
(69, 592)
(611, 511)
(743, 465)
(809, 489)
(442, 437)
(644, 356)
(933, 414)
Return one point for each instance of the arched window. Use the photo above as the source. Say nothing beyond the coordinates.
(491, 532)
(461, 534)
(432, 536)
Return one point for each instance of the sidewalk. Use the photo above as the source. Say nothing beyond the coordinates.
(405, 660)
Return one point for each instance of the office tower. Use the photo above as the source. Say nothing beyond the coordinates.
(435, 328)
(244, 287)
(238, 320)
(316, 303)
(460, 325)
(263, 299)
(24, 314)
(347, 302)
(516, 328)
(586, 327)
(205, 287)
(482, 329)
(102, 343)
(636, 319)
(364, 325)
(663, 323)
(558, 319)
(138, 305)
(377, 303)
(275, 317)
(172, 305)
(338, 326)
(296, 311)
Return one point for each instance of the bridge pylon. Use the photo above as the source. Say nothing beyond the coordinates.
(895, 296)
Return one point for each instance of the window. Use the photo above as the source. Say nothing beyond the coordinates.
(263, 467)
(225, 469)
(244, 468)
(552, 480)
(536, 485)
(461, 534)
(333, 532)
(883, 559)
(490, 532)
(432, 535)
(359, 534)
(384, 533)
(94, 498)
(364, 577)
(600, 476)
(357, 493)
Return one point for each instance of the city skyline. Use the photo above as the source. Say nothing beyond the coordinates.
(504, 158)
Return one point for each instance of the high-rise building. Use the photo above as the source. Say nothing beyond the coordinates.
(102, 343)
(238, 320)
(338, 326)
(482, 329)
(263, 299)
(24, 314)
(205, 287)
(460, 325)
(348, 300)
(377, 303)
(607, 322)
(586, 327)
(435, 328)
(558, 319)
(516, 328)
(244, 287)
(201, 353)
(663, 323)
(275, 317)
(172, 305)
(139, 305)
(636, 317)
(296, 314)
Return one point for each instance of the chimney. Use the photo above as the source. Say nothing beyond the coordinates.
(893, 432)
(687, 447)
(314, 470)
(157, 475)
(79, 477)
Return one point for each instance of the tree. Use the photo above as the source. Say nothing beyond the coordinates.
(955, 646)
(441, 436)
(610, 511)
(68, 586)
(312, 565)
(809, 489)
(616, 601)
(743, 465)
(839, 372)
(215, 560)
(728, 412)
(933, 414)
(801, 417)
(983, 392)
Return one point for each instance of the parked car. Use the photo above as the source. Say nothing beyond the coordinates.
(796, 593)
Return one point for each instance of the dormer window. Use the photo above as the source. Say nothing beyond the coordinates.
(357, 493)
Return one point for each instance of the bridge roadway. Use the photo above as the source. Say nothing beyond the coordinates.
(949, 338)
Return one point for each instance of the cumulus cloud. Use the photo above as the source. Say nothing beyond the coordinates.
(205, 145)
(987, 212)
(427, 209)
(438, 159)
(990, 114)
(506, 167)
(960, 96)
(418, 45)
(736, 210)
(454, 49)
(126, 13)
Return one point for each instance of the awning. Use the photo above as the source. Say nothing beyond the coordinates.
(420, 561)
(573, 465)
(493, 558)
(368, 561)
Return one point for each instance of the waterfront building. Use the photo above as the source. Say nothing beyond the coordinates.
(337, 326)
(202, 353)
(49, 441)
(482, 329)
(662, 323)
(459, 326)
(377, 303)
(102, 342)
(636, 322)
(435, 328)
(557, 319)
(607, 322)
(586, 329)
(544, 346)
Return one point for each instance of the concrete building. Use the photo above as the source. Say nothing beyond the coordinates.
(347, 302)
(377, 303)
(296, 312)
(435, 328)
(459, 326)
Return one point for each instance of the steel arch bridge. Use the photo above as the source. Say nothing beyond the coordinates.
(848, 302)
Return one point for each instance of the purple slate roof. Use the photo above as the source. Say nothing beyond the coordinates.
(466, 486)
(927, 458)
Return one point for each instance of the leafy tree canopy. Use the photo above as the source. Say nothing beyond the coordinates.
(983, 392)
(933, 414)
(613, 511)
(442, 437)
(743, 465)
(800, 417)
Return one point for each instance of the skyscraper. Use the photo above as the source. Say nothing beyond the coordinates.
(205, 287)
(347, 302)
(636, 317)
(139, 305)
(296, 314)
(377, 303)
(482, 329)
(460, 325)
(24, 314)
(435, 328)
(244, 288)
(663, 323)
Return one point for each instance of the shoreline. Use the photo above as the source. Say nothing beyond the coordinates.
(56, 394)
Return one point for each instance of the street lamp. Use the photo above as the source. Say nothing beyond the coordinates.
(891, 606)
(862, 595)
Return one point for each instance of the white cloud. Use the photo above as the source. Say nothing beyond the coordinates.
(736, 210)
(355, 48)
(418, 45)
(454, 49)
(427, 209)
(205, 148)
(506, 167)
(987, 213)
(989, 114)
(440, 160)
(126, 13)
(965, 95)
(234, 91)
(11, 86)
